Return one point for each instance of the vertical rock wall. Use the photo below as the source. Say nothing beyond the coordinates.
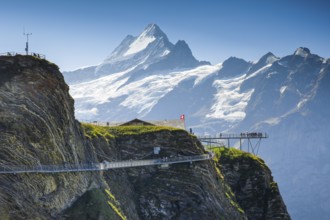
(37, 126)
(253, 185)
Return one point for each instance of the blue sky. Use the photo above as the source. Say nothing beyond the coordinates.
(75, 33)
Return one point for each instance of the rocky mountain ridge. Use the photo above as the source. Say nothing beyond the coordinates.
(37, 126)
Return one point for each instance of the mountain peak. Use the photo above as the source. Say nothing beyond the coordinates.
(233, 60)
(268, 58)
(302, 51)
(153, 30)
(151, 33)
(182, 51)
(269, 54)
(180, 56)
(233, 66)
(182, 45)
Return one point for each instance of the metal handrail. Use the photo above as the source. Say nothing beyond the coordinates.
(34, 54)
(245, 135)
(59, 168)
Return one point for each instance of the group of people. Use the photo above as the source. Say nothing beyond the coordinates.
(32, 54)
(251, 134)
(11, 54)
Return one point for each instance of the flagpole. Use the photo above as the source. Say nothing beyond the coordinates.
(182, 117)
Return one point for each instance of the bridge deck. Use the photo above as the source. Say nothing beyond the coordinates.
(101, 166)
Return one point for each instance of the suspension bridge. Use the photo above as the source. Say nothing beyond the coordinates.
(105, 165)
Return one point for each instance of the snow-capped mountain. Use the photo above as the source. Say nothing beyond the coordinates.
(148, 77)
(148, 52)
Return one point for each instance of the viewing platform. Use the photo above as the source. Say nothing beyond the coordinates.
(223, 140)
(38, 55)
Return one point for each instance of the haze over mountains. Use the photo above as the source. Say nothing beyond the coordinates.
(150, 78)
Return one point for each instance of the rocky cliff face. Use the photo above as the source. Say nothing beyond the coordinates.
(183, 191)
(253, 185)
(235, 186)
(37, 126)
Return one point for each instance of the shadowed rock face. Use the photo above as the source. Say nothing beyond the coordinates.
(37, 126)
(252, 183)
(186, 191)
(182, 191)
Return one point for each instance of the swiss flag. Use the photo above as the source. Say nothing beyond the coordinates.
(182, 117)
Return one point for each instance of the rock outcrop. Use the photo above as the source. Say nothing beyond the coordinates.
(37, 126)
(182, 191)
(253, 185)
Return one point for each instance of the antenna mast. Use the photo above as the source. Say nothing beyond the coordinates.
(27, 42)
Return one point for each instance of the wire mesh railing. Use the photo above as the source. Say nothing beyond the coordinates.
(105, 165)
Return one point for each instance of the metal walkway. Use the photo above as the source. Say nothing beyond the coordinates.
(105, 165)
(223, 140)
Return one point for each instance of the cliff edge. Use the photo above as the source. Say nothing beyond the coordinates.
(252, 184)
(37, 126)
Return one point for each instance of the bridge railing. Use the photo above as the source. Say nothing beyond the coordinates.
(165, 160)
(49, 168)
(243, 135)
(38, 55)
(57, 168)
